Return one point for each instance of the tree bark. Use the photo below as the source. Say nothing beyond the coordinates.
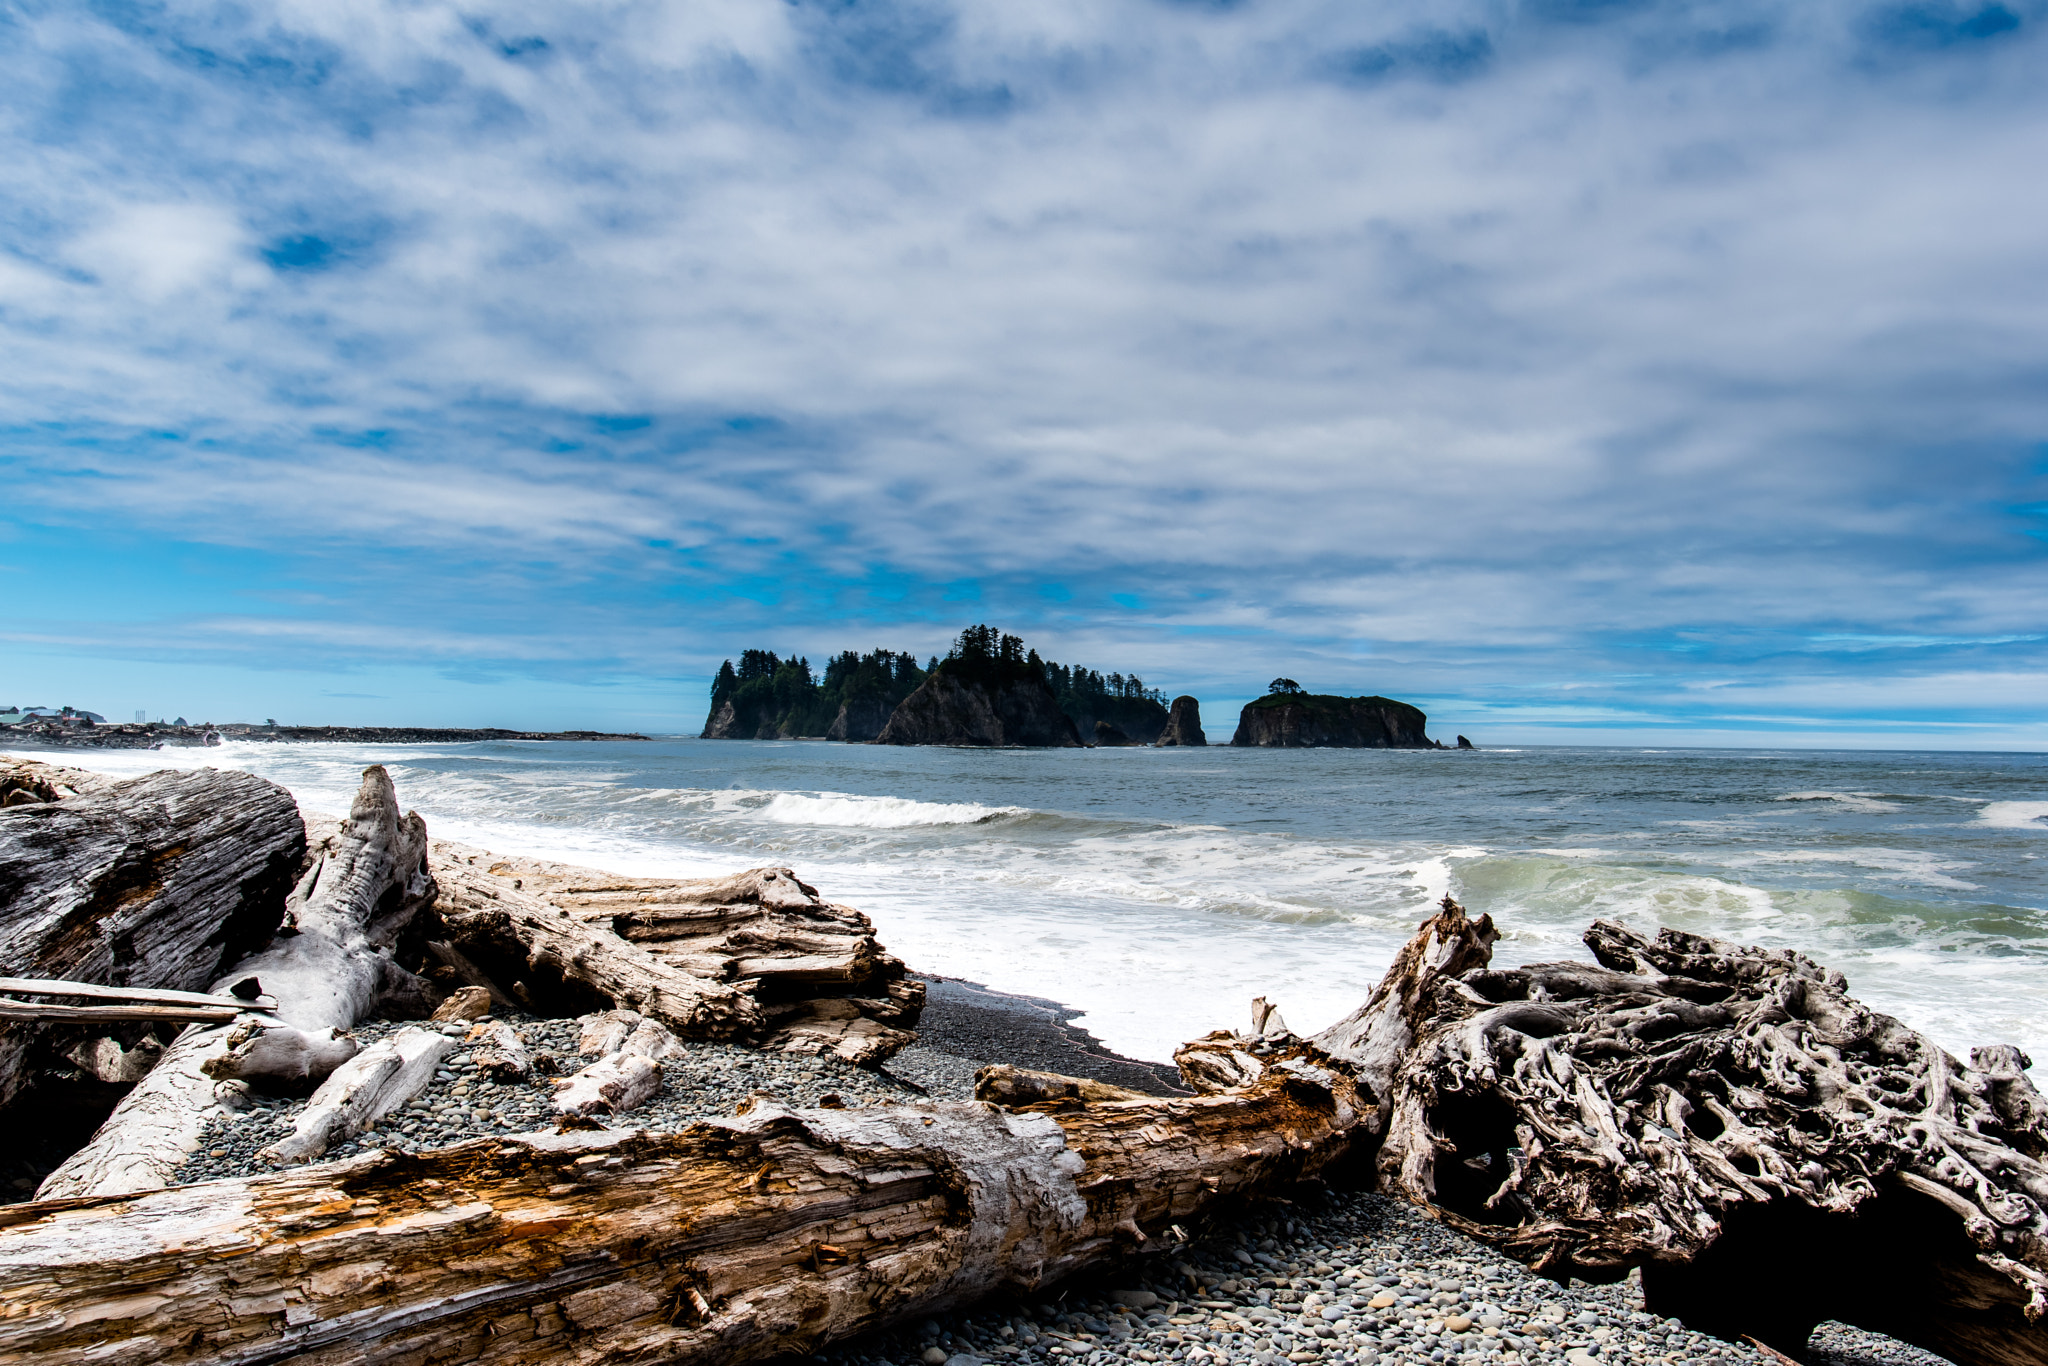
(757, 957)
(731, 1241)
(1772, 1153)
(328, 967)
(158, 881)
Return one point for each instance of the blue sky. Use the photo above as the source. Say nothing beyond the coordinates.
(1578, 369)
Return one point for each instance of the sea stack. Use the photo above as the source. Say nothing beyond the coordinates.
(1184, 724)
(1300, 720)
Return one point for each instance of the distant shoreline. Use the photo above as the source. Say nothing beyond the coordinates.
(50, 735)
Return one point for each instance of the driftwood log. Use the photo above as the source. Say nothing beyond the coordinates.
(159, 881)
(731, 1241)
(328, 966)
(1770, 1152)
(757, 957)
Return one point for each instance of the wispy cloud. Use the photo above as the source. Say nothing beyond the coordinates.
(1575, 344)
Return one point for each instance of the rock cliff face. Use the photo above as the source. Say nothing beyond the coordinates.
(1184, 724)
(1140, 719)
(949, 710)
(727, 723)
(860, 719)
(1307, 721)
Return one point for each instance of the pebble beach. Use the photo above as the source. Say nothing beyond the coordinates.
(1328, 1276)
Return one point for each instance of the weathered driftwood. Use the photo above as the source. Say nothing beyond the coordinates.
(328, 967)
(627, 1073)
(757, 957)
(1772, 1153)
(382, 1078)
(1010, 1087)
(500, 1052)
(158, 881)
(112, 1005)
(731, 1241)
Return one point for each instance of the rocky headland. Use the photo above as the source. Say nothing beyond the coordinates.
(1298, 720)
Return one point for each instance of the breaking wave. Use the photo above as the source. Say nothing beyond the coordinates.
(876, 813)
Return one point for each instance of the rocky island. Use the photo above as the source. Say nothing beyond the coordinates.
(999, 694)
(1290, 718)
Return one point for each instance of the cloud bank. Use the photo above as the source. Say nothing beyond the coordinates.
(1569, 364)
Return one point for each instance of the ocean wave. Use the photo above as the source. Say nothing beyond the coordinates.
(2015, 815)
(876, 813)
(1863, 803)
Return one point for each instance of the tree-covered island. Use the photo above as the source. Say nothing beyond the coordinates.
(769, 697)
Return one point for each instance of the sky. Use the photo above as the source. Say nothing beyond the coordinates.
(1583, 371)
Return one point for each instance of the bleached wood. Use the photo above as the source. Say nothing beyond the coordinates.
(613, 1085)
(606, 1032)
(382, 1078)
(34, 986)
(38, 1013)
(734, 1241)
(265, 1047)
(327, 967)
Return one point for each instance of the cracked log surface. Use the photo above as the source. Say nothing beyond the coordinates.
(158, 881)
(731, 1241)
(328, 966)
(758, 957)
(1771, 1152)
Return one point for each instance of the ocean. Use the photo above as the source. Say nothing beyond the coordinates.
(1159, 890)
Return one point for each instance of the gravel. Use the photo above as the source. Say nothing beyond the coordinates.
(1295, 1282)
(708, 1080)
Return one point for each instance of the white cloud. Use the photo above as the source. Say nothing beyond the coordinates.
(1622, 332)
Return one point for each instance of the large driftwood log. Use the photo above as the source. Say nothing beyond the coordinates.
(158, 881)
(757, 957)
(731, 1241)
(328, 966)
(1772, 1153)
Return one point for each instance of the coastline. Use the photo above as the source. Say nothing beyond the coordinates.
(155, 735)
